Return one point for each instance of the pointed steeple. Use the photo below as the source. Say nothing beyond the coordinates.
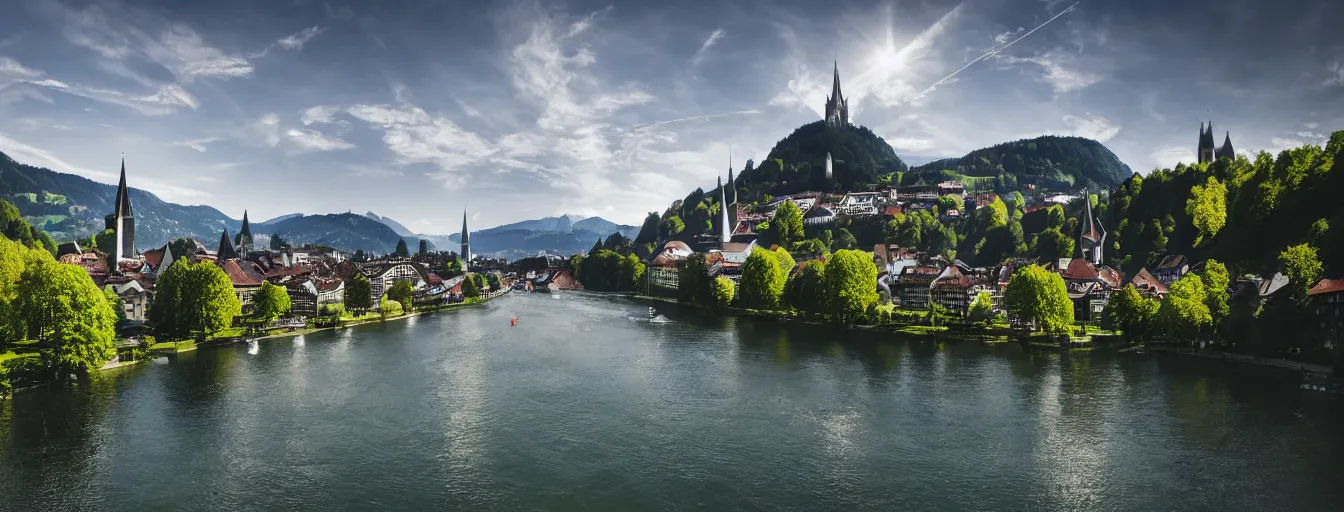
(465, 255)
(243, 241)
(123, 199)
(837, 109)
(835, 84)
(1226, 151)
(732, 184)
(166, 261)
(725, 229)
(226, 250)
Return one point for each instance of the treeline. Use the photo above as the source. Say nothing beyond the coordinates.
(610, 266)
(1059, 163)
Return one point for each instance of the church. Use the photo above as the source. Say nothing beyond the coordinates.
(837, 107)
(1207, 152)
(122, 222)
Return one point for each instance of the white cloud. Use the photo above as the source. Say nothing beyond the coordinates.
(709, 43)
(269, 129)
(910, 144)
(24, 82)
(198, 145)
(416, 137)
(320, 114)
(314, 140)
(298, 39)
(1092, 127)
(1061, 71)
(182, 51)
(1168, 156)
(1312, 126)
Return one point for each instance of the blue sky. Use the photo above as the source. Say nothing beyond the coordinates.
(417, 110)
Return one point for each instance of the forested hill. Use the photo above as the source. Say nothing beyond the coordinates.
(798, 162)
(1065, 163)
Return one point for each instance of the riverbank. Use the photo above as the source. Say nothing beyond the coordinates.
(1310, 368)
(188, 346)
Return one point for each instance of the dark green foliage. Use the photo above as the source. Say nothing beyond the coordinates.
(649, 232)
(1050, 161)
(357, 291)
(470, 289)
(694, 284)
(798, 162)
(401, 249)
(401, 292)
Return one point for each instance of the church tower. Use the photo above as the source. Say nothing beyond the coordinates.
(732, 184)
(837, 107)
(122, 221)
(1091, 236)
(226, 250)
(465, 255)
(1207, 150)
(244, 238)
(725, 226)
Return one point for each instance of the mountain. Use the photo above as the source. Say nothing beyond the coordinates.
(917, 160)
(562, 235)
(797, 163)
(396, 226)
(282, 217)
(1050, 161)
(349, 231)
(71, 207)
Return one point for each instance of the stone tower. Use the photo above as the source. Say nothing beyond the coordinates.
(244, 238)
(1091, 236)
(1207, 152)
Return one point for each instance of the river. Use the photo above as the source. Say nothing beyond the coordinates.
(585, 405)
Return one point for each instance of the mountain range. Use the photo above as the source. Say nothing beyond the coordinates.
(71, 207)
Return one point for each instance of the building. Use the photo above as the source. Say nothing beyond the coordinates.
(1328, 299)
(662, 269)
(1087, 288)
(1091, 236)
(302, 297)
(892, 259)
(951, 290)
(1148, 285)
(465, 255)
(734, 256)
(383, 275)
(226, 250)
(1207, 153)
(818, 217)
(122, 221)
(912, 286)
(860, 203)
(837, 109)
(1171, 268)
(243, 242)
(134, 299)
(245, 277)
(330, 290)
(951, 188)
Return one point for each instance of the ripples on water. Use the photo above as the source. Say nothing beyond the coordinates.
(588, 405)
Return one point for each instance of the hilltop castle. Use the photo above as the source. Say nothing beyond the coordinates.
(1207, 153)
(837, 107)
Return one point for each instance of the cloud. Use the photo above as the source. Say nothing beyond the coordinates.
(709, 43)
(1312, 126)
(113, 32)
(198, 145)
(321, 114)
(416, 137)
(313, 140)
(1059, 68)
(1334, 74)
(182, 51)
(24, 81)
(269, 129)
(1168, 156)
(1092, 127)
(293, 41)
(910, 144)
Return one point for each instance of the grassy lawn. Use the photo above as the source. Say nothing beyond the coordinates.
(181, 346)
(5, 356)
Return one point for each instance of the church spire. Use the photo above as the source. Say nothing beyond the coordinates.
(837, 108)
(226, 250)
(244, 239)
(465, 255)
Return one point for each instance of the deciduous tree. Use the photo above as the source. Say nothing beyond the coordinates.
(60, 307)
(402, 292)
(1039, 296)
(851, 283)
(357, 294)
(787, 224)
(723, 291)
(1184, 312)
(270, 302)
(762, 279)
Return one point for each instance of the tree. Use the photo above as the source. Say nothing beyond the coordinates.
(193, 299)
(1131, 313)
(469, 288)
(12, 262)
(762, 279)
(844, 240)
(270, 302)
(1216, 283)
(402, 251)
(982, 308)
(59, 306)
(276, 244)
(1054, 217)
(114, 301)
(948, 203)
(787, 224)
(358, 291)
(104, 242)
(12, 225)
(671, 227)
(184, 247)
(388, 307)
(359, 255)
(424, 247)
(402, 292)
(723, 291)
(1052, 244)
(1039, 296)
(806, 291)
(693, 282)
(1302, 267)
(1184, 312)
(851, 283)
(1207, 208)
(597, 247)
(649, 232)
(785, 260)
(630, 273)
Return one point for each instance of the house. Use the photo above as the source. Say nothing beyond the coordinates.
(983, 199)
(734, 256)
(892, 259)
(912, 286)
(1327, 297)
(330, 290)
(951, 290)
(1148, 285)
(1089, 287)
(302, 297)
(662, 269)
(951, 188)
(134, 296)
(819, 217)
(245, 277)
(950, 215)
(1171, 268)
(859, 203)
(384, 274)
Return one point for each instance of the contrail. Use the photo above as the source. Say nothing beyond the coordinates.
(706, 116)
(999, 49)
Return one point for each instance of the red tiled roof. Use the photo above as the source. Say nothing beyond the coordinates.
(1144, 281)
(1080, 269)
(1110, 276)
(1327, 286)
(295, 270)
(237, 275)
(153, 257)
(951, 277)
(892, 211)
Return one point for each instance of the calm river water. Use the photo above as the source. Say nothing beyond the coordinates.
(585, 406)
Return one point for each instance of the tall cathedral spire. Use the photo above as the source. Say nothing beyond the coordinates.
(244, 239)
(837, 107)
(122, 220)
(465, 255)
(732, 184)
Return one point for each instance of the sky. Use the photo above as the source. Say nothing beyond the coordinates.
(513, 110)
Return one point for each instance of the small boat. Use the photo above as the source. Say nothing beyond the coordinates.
(652, 313)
